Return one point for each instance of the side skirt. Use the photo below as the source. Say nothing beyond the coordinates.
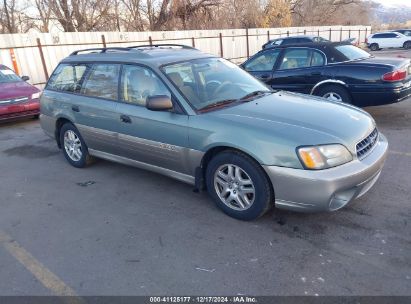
(127, 161)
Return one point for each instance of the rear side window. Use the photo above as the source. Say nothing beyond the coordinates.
(301, 58)
(317, 59)
(296, 58)
(102, 81)
(68, 77)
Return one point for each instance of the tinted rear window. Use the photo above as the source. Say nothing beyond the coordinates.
(350, 52)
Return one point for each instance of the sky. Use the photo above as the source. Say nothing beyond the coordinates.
(394, 2)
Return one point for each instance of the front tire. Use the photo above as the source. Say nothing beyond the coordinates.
(239, 185)
(335, 93)
(73, 146)
(374, 47)
(407, 45)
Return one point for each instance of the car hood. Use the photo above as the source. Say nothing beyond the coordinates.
(16, 89)
(304, 119)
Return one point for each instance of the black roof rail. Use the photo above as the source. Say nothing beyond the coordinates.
(183, 46)
(103, 50)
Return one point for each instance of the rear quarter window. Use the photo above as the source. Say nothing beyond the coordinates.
(67, 77)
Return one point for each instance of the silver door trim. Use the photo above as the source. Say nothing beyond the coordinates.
(94, 136)
(127, 161)
(180, 159)
(327, 81)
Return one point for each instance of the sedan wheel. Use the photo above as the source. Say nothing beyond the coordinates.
(234, 187)
(332, 96)
(334, 92)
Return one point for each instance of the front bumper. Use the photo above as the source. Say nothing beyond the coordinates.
(329, 189)
(13, 111)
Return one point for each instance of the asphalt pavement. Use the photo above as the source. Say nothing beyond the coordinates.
(110, 229)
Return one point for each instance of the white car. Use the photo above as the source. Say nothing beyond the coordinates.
(388, 40)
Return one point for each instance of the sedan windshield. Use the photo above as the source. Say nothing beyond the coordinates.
(352, 52)
(7, 75)
(211, 82)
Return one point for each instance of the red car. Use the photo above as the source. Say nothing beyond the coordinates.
(17, 97)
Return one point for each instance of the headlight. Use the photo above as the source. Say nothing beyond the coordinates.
(36, 95)
(324, 156)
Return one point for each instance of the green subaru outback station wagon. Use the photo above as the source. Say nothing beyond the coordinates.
(202, 120)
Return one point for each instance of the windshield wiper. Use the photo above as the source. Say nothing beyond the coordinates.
(217, 104)
(255, 93)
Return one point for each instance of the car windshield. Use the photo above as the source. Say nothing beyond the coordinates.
(212, 82)
(351, 52)
(7, 75)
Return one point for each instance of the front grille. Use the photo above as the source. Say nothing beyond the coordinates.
(14, 100)
(366, 145)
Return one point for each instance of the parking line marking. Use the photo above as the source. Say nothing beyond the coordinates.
(400, 153)
(45, 276)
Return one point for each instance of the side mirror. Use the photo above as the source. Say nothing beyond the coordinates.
(25, 78)
(159, 103)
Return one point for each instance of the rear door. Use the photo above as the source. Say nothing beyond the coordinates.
(394, 40)
(96, 110)
(261, 65)
(86, 94)
(298, 70)
(151, 137)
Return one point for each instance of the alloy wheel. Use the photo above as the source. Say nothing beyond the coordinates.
(234, 187)
(72, 145)
(332, 96)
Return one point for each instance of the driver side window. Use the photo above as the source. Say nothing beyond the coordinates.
(262, 62)
(138, 83)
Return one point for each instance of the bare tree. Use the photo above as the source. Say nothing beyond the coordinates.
(317, 12)
(83, 15)
(9, 17)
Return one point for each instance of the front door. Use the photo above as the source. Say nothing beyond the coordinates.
(151, 137)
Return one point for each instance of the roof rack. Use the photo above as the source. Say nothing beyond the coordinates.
(103, 50)
(183, 46)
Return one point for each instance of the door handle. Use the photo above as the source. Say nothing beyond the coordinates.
(265, 76)
(125, 118)
(315, 73)
(75, 108)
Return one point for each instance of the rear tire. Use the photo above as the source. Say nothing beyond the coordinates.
(374, 47)
(74, 148)
(407, 45)
(334, 93)
(243, 192)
